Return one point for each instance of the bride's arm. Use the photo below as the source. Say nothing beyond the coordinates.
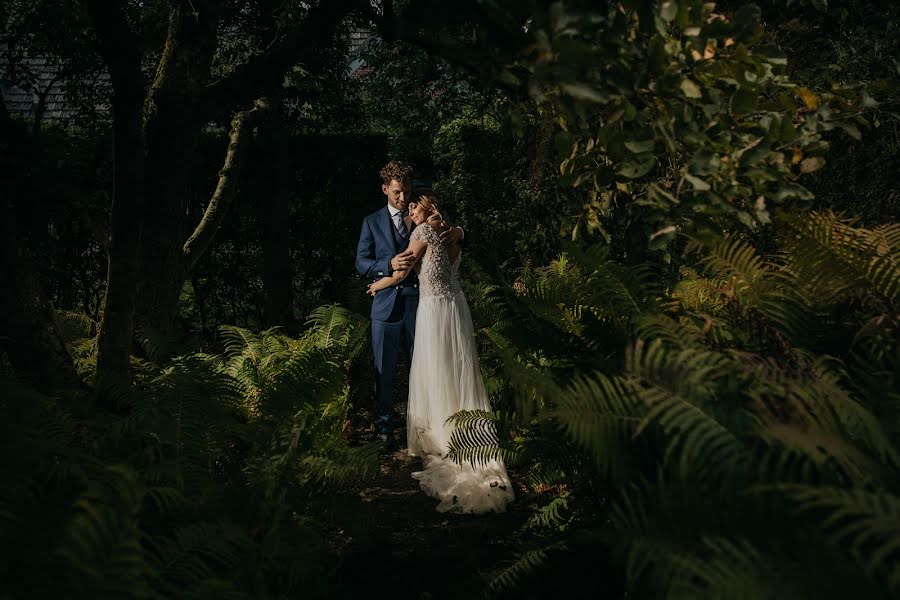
(386, 282)
(418, 248)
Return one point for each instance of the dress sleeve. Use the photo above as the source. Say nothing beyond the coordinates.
(425, 233)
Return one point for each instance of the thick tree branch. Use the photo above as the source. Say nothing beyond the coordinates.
(120, 51)
(241, 128)
(295, 47)
(184, 63)
(42, 104)
(393, 27)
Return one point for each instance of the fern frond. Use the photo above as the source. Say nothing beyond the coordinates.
(833, 255)
(865, 524)
(601, 414)
(340, 467)
(333, 326)
(475, 438)
(525, 565)
(554, 515)
(676, 388)
(74, 326)
(733, 568)
(737, 264)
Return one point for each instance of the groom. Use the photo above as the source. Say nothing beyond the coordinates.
(383, 249)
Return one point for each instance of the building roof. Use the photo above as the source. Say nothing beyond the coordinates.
(44, 78)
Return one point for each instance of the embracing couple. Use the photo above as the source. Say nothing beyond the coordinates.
(413, 256)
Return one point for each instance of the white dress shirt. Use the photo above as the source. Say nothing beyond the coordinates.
(395, 212)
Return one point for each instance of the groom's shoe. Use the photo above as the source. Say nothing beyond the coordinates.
(387, 441)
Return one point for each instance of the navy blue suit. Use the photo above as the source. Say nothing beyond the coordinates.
(393, 309)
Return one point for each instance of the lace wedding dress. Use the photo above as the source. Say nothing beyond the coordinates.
(444, 379)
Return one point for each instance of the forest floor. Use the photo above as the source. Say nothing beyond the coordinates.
(402, 547)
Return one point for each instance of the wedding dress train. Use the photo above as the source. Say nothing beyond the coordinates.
(445, 378)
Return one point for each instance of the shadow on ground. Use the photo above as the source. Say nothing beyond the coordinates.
(402, 547)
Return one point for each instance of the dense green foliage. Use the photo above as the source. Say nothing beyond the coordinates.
(684, 268)
(753, 409)
(216, 481)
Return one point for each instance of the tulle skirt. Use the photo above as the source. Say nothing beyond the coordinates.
(445, 378)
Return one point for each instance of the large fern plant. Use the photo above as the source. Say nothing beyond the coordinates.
(741, 442)
(214, 484)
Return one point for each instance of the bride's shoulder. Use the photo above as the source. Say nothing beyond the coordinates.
(424, 232)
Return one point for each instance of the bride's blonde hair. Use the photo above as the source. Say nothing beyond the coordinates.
(427, 198)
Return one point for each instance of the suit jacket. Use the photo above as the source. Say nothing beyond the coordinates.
(377, 246)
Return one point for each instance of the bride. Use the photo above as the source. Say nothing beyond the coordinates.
(444, 376)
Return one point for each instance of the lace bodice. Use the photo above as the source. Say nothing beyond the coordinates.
(437, 275)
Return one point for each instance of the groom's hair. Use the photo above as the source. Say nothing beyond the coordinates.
(396, 171)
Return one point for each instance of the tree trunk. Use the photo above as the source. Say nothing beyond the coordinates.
(28, 332)
(121, 53)
(172, 127)
(168, 258)
(271, 204)
(182, 98)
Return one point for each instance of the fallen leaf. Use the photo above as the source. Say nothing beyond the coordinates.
(814, 163)
(809, 98)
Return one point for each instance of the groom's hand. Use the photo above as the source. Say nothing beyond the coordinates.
(452, 235)
(403, 261)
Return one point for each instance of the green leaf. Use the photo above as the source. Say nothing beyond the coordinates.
(868, 101)
(744, 101)
(788, 132)
(851, 129)
(759, 208)
(633, 169)
(793, 191)
(669, 10)
(656, 54)
(563, 143)
(772, 54)
(704, 162)
(698, 184)
(581, 91)
(662, 237)
(658, 195)
(746, 21)
(509, 78)
(690, 89)
(640, 147)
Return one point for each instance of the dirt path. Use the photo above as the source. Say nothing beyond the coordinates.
(409, 550)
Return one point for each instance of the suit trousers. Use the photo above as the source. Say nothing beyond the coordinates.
(387, 337)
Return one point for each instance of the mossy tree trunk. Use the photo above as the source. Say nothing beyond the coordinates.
(154, 245)
(120, 50)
